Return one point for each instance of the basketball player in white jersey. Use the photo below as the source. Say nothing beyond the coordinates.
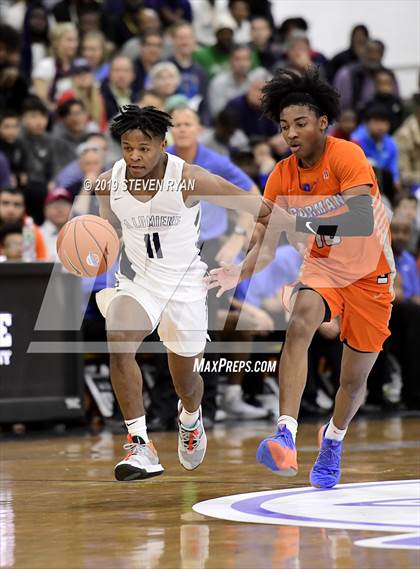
(153, 200)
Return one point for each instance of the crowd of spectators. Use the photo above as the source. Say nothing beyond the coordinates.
(67, 66)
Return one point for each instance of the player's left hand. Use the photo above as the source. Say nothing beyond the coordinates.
(226, 277)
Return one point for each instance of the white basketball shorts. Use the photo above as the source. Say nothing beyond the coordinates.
(182, 325)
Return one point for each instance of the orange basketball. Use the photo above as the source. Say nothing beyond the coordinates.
(87, 245)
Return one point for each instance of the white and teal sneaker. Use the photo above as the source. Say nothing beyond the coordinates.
(192, 443)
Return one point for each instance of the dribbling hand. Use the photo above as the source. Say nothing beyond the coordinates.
(226, 277)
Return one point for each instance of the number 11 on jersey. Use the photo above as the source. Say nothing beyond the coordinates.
(152, 243)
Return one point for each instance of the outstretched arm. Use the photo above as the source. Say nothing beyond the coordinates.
(219, 191)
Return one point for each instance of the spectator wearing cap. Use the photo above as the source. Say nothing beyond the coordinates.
(408, 140)
(73, 125)
(248, 107)
(230, 83)
(118, 90)
(85, 88)
(378, 145)
(215, 58)
(51, 76)
(57, 211)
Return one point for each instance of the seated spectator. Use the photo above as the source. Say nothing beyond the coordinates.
(11, 146)
(85, 89)
(215, 58)
(379, 147)
(151, 99)
(51, 76)
(5, 174)
(193, 77)
(148, 23)
(408, 139)
(265, 51)
(92, 155)
(12, 210)
(150, 53)
(173, 12)
(355, 82)
(405, 317)
(95, 52)
(257, 311)
(298, 55)
(248, 107)
(13, 84)
(73, 122)
(240, 12)
(124, 26)
(57, 212)
(231, 83)
(264, 159)
(11, 242)
(354, 53)
(35, 37)
(118, 89)
(164, 79)
(407, 206)
(346, 124)
(226, 134)
(385, 88)
(91, 18)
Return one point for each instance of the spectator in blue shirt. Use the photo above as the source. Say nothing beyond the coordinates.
(379, 147)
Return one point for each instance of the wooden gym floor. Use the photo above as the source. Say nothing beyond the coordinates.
(60, 507)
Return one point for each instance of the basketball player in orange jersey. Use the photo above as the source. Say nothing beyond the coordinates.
(153, 200)
(326, 194)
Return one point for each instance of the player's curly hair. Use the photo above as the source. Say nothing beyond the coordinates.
(289, 88)
(150, 120)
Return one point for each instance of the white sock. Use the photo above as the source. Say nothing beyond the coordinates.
(137, 428)
(189, 419)
(290, 423)
(334, 433)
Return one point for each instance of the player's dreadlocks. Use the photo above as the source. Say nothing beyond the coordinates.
(150, 120)
(289, 88)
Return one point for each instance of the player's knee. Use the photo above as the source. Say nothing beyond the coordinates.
(353, 385)
(300, 329)
(187, 386)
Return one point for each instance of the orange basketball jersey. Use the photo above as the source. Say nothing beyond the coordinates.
(319, 191)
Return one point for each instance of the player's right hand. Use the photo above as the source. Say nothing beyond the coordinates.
(226, 277)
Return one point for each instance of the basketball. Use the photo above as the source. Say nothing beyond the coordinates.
(87, 245)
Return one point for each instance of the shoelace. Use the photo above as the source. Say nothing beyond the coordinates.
(190, 439)
(134, 448)
(329, 454)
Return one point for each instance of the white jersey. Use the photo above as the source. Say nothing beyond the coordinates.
(160, 237)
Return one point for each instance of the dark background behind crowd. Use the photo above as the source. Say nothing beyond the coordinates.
(65, 69)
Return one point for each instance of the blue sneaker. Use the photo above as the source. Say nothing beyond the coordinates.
(326, 470)
(278, 453)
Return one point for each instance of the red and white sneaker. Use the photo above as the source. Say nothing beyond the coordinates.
(192, 443)
(140, 462)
